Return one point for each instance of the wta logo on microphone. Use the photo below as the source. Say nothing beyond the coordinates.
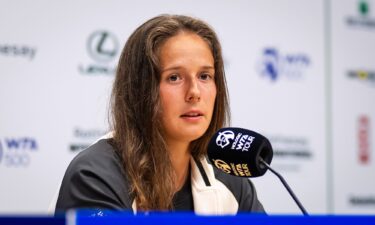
(223, 139)
(239, 169)
(240, 141)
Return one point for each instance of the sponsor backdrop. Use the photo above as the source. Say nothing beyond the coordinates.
(300, 72)
(353, 105)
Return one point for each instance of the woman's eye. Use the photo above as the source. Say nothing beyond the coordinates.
(173, 78)
(205, 76)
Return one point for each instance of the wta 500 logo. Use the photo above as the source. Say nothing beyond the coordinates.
(16, 152)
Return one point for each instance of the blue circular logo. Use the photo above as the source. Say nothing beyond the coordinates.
(1, 152)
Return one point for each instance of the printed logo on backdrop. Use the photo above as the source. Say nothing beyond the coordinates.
(363, 17)
(362, 200)
(102, 48)
(1, 152)
(17, 51)
(364, 76)
(364, 147)
(275, 65)
(83, 138)
(17, 151)
(290, 152)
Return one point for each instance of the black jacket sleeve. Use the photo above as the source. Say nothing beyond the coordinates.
(95, 180)
(249, 199)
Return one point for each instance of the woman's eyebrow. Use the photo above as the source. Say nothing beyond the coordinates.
(208, 67)
(171, 68)
(179, 67)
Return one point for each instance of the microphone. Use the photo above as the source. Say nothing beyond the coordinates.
(244, 153)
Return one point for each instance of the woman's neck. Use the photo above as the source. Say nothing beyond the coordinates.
(179, 155)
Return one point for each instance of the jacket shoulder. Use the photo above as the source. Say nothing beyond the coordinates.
(101, 155)
(95, 179)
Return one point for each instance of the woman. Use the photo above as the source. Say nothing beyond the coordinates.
(169, 97)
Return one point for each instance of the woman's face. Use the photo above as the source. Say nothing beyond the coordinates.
(187, 87)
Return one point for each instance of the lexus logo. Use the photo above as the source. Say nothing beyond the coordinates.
(102, 46)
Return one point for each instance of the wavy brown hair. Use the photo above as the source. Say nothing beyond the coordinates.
(136, 108)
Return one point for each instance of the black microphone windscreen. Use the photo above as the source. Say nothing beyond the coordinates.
(236, 151)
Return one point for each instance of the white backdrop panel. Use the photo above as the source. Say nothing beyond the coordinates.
(353, 94)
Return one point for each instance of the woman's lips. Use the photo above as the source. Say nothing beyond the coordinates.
(192, 115)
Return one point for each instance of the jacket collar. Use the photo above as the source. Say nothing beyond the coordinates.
(211, 197)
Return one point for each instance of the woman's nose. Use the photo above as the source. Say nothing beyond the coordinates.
(193, 93)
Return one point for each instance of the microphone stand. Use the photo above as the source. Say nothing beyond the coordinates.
(286, 186)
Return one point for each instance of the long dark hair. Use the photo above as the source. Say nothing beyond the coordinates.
(136, 107)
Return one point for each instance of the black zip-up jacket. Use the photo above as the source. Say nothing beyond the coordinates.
(95, 179)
